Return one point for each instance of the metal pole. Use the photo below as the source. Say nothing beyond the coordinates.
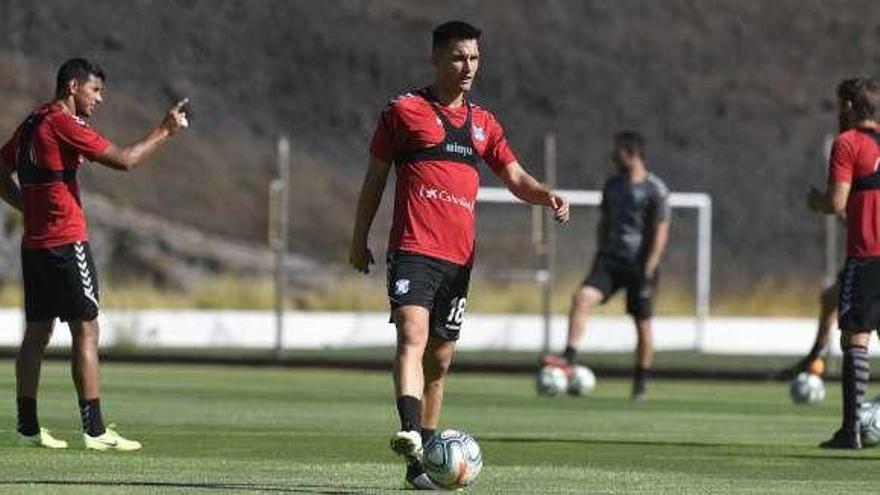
(279, 198)
(548, 260)
(831, 225)
(704, 269)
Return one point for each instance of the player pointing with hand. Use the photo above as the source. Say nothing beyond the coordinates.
(45, 153)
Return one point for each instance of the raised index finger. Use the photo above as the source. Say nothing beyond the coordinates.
(181, 104)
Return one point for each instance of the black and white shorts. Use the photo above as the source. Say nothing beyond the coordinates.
(437, 285)
(610, 275)
(859, 296)
(60, 282)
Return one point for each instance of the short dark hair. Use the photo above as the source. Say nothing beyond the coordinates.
(75, 68)
(863, 93)
(453, 30)
(630, 141)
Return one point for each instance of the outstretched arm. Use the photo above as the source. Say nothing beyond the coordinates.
(372, 188)
(526, 188)
(10, 193)
(133, 155)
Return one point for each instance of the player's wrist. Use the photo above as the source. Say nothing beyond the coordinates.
(162, 131)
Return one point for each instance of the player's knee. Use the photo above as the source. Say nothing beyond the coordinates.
(411, 333)
(854, 339)
(36, 339)
(584, 298)
(828, 298)
(85, 331)
(37, 335)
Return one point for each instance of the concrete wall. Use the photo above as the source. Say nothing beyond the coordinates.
(314, 330)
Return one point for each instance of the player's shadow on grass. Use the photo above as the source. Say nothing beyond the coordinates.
(323, 489)
(594, 441)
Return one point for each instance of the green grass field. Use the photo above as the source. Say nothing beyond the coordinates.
(261, 430)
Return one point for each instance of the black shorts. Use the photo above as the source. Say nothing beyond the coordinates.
(437, 285)
(859, 296)
(610, 275)
(60, 282)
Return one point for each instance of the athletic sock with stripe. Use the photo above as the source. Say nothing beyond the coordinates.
(856, 372)
(92, 422)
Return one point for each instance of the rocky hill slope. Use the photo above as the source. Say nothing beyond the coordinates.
(735, 98)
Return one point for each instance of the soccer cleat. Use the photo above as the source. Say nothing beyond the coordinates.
(43, 439)
(849, 438)
(408, 444)
(110, 440)
(417, 478)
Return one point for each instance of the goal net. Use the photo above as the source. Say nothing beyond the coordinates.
(560, 257)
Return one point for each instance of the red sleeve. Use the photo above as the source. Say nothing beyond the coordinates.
(497, 153)
(81, 137)
(385, 142)
(843, 160)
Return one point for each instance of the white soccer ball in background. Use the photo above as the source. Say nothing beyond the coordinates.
(807, 389)
(453, 459)
(870, 417)
(552, 380)
(582, 381)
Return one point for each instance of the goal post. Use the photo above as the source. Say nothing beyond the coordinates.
(701, 202)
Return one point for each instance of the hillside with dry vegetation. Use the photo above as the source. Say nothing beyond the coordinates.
(735, 98)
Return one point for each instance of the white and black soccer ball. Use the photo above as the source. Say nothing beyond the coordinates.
(870, 417)
(807, 389)
(453, 459)
(582, 381)
(552, 380)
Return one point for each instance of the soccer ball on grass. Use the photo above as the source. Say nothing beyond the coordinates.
(870, 417)
(453, 459)
(807, 388)
(582, 381)
(552, 380)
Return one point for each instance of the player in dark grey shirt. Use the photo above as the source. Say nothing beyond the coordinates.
(633, 232)
(631, 212)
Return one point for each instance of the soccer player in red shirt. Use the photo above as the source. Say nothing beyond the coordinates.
(45, 153)
(434, 137)
(854, 192)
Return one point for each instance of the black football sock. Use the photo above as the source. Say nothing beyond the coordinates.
(855, 374)
(427, 434)
(570, 353)
(27, 416)
(90, 412)
(640, 379)
(410, 410)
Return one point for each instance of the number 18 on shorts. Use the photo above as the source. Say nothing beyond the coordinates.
(437, 285)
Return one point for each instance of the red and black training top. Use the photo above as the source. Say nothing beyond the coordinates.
(855, 158)
(435, 151)
(45, 151)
